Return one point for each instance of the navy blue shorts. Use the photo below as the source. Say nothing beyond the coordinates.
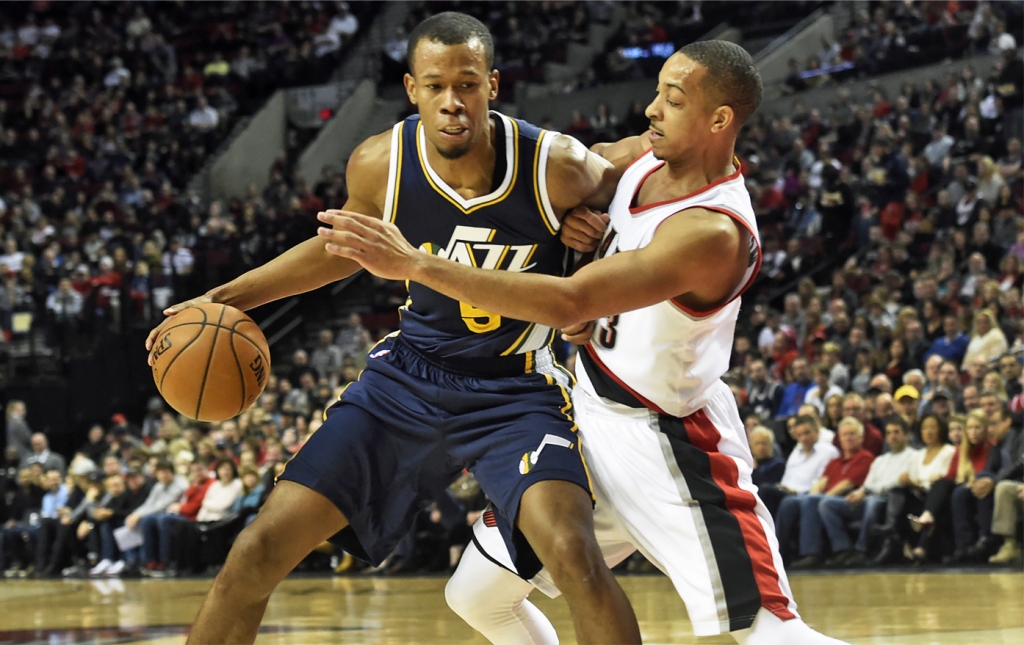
(404, 431)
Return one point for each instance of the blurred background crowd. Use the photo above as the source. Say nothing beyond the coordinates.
(877, 361)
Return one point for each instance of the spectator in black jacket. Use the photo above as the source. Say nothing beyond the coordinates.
(973, 507)
(764, 395)
(1003, 459)
(124, 495)
(96, 448)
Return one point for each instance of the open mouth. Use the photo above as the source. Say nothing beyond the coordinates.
(654, 134)
(454, 131)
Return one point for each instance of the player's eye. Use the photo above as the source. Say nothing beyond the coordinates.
(468, 86)
(671, 103)
(433, 86)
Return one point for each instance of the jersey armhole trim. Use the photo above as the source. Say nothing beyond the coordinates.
(394, 166)
(750, 278)
(540, 173)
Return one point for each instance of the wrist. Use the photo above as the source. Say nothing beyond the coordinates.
(420, 266)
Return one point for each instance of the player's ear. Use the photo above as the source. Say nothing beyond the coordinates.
(410, 87)
(722, 118)
(492, 82)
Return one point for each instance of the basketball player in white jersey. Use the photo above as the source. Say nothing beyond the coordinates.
(660, 431)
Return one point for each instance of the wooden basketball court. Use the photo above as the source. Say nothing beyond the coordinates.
(892, 608)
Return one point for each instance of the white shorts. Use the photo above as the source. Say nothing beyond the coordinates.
(679, 491)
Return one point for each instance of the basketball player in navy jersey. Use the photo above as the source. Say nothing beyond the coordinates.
(661, 431)
(457, 387)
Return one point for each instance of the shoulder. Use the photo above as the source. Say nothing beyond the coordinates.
(567, 154)
(709, 228)
(623, 152)
(371, 156)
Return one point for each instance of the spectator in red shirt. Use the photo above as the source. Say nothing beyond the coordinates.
(853, 406)
(842, 475)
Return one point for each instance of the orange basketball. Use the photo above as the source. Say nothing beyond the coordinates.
(210, 362)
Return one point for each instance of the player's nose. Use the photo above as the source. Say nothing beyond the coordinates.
(450, 102)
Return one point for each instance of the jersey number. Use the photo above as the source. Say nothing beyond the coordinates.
(607, 333)
(478, 320)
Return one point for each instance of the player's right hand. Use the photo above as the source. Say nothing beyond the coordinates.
(579, 334)
(583, 229)
(170, 311)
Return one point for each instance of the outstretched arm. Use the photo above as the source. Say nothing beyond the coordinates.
(306, 266)
(696, 253)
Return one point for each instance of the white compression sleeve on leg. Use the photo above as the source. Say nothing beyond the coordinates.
(492, 600)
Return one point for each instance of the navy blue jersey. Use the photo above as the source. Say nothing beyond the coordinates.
(513, 228)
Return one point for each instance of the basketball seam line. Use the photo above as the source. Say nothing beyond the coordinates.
(209, 360)
(182, 350)
(233, 331)
(238, 363)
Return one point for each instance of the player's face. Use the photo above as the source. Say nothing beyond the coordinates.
(682, 116)
(452, 87)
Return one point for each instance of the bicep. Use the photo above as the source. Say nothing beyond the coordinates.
(684, 256)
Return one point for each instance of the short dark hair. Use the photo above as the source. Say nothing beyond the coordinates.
(897, 420)
(806, 420)
(731, 73)
(163, 464)
(451, 28)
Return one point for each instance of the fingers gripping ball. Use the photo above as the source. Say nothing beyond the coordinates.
(210, 362)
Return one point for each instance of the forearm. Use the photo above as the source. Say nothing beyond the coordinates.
(304, 267)
(543, 299)
(841, 488)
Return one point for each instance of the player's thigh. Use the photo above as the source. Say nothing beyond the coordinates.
(292, 522)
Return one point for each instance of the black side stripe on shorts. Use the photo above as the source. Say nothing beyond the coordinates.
(742, 596)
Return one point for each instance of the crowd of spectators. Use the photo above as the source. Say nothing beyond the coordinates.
(876, 361)
(899, 35)
(106, 111)
(167, 495)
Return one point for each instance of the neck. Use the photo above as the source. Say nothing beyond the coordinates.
(473, 169)
(807, 448)
(703, 167)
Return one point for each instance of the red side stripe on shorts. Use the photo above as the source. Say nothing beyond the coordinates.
(703, 434)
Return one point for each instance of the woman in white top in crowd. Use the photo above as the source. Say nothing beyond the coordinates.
(221, 494)
(988, 342)
(930, 465)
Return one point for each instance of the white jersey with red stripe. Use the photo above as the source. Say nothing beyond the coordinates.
(665, 357)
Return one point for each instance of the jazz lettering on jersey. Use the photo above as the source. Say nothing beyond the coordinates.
(473, 246)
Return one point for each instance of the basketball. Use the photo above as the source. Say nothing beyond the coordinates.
(211, 362)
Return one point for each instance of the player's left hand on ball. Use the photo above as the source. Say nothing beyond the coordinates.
(376, 245)
(583, 229)
(579, 334)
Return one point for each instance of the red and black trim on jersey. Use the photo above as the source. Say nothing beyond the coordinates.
(755, 261)
(609, 386)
